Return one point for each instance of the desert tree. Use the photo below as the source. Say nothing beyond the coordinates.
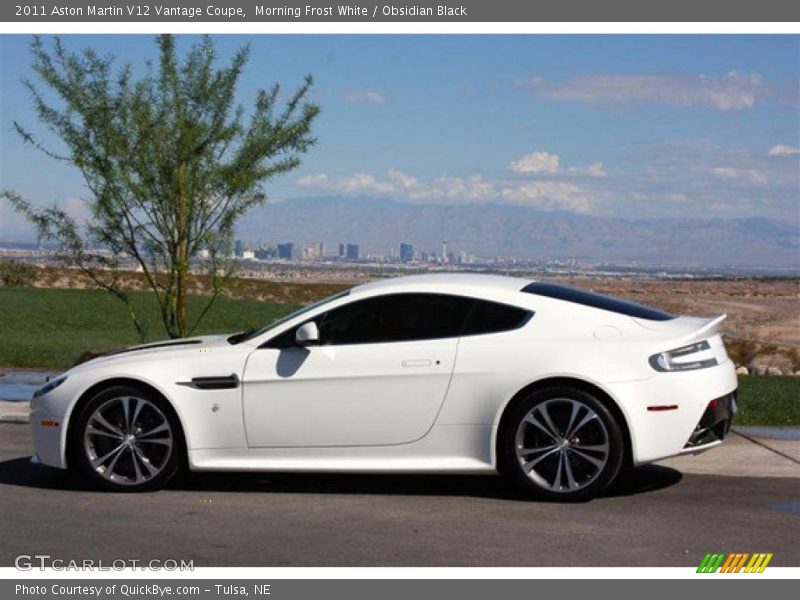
(170, 160)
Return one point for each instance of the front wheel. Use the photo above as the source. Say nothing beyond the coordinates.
(127, 440)
(561, 444)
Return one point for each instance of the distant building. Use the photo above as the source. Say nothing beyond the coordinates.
(341, 251)
(316, 250)
(248, 254)
(286, 250)
(352, 252)
(238, 248)
(406, 253)
(264, 253)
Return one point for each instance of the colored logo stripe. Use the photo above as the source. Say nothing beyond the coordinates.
(711, 563)
(758, 563)
(734, 562)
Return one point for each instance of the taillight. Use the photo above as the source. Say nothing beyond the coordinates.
(686, 358)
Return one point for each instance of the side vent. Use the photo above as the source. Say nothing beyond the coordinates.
(220, 382)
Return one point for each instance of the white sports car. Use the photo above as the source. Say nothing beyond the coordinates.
(555, 387)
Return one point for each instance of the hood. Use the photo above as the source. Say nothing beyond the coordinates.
(166, 347)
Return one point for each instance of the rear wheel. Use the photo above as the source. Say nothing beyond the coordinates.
(561, 444)
(127, 440)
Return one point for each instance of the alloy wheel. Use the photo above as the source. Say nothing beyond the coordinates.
(128, 440)
(562, 445)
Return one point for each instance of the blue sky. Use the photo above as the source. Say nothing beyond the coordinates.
(626, 126)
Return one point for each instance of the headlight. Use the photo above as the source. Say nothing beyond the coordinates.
(685, 358)
(49, 386)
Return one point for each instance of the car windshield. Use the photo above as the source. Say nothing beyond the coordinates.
(243, 336)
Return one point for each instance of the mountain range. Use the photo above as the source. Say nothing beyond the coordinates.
(522, 232)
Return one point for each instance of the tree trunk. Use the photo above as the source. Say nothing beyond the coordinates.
(182, 259)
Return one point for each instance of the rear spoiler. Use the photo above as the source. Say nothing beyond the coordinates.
(701, 329)
(711, 327)
(685, 330)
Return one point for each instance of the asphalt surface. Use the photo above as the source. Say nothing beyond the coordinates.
(655, 517)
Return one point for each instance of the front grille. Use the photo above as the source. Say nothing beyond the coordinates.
(715, 423)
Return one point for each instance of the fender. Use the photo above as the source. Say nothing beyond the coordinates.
(559, 379)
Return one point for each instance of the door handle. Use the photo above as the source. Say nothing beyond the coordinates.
(417, 362)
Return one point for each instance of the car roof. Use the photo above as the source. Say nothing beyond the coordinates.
(444, 282)
(516, 290)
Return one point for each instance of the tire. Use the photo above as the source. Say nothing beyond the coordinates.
(537, 452)
(127, 440)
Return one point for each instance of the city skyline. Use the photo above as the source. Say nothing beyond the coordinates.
(350, 251)
(612, 126)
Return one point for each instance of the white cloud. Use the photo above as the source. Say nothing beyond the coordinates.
(471, 188)
(595, 169)
(546, 163)
(536, 162)
(744, 176)
(402, 180)
(732, 91)
(549, 195)
(316, 180)
(398, 183)
(670, 178)
(357, 183)
(783, 150)
(546, 195)
(366, 97)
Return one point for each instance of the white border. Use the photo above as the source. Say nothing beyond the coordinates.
(361, 28)
(266, 573)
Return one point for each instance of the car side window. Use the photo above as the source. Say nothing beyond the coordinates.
(408, 317)
(493, 317)
(395, 318)
(283, 340)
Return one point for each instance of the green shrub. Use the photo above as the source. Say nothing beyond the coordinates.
(742, 352)
(17, 274)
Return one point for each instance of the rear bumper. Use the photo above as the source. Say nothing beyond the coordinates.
(664, 412)
(713, 426)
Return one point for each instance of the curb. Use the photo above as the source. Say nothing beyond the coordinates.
(18, 418)
(764, 445)
(14, 412)
(782, 432)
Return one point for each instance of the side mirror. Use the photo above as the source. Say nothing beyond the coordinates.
(307, 334)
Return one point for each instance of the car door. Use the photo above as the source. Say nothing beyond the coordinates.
(378, 376)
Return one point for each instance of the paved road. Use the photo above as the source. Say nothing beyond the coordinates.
(655, 517)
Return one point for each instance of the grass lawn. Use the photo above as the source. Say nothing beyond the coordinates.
(768, 401)
(52, 327)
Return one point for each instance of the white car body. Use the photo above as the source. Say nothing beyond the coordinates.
(417, 406)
